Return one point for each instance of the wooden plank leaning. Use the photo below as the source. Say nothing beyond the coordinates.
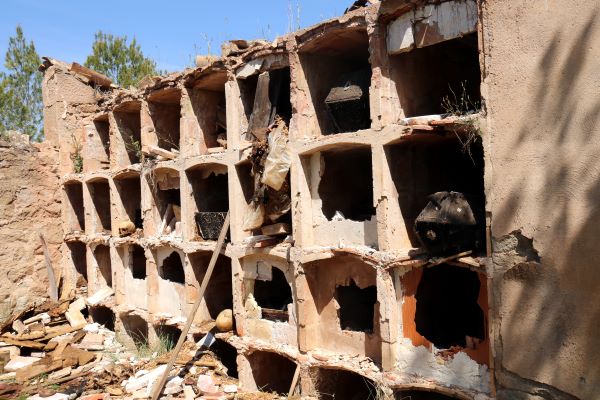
(158, 387)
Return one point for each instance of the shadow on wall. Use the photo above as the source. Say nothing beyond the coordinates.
(551, 310)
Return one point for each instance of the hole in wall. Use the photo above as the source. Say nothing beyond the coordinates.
(100, 193)
(79, 257)
(337, 69)
(274, 296)
(447, 309)
(244, 171)
(129, 191)
(209, 106)
(165, 111)
(425, 164)
(227, 354)
(323, 278)
(431, 73)
(211, 199)
(279, 93)
(247, 93)
(346, 186)
(74, 191)
(103, 131)
(272, 372)
(219, 293)
(171, 268)
(341, 384)
(136, 328)
(167, 335)
(357, 307)
(138, 262)
(166, 194)
(128, 121)
(102, 256)
(103, 316)
(273, 89)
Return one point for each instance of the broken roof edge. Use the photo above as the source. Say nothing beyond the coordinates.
(85, 74)
(235, 53)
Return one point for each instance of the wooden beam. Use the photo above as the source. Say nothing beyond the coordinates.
(96, 77)
(53, 287)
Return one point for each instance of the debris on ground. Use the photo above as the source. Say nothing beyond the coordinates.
(60, 354)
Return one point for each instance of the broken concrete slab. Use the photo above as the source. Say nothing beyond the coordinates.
(20, 362)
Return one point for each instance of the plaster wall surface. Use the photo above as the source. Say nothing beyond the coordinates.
(541, 85)
(30, 191)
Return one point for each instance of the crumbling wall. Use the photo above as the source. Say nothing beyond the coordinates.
(344, 258)
(541, 86)
(29, 205)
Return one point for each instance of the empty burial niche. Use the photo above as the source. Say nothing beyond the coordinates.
(337, 70)
(74, 206)
(447, 309)
(103, 316)
(272, 372)
(136, 329)
(357, 307)
(208, 104)
(273, 295)
(167, 335)
(100, 193)
(420, 395)
(219, 294)
(227, 354)
(101, 151)
(265, 97)
(165, 111)
(424, 164)
(346, 187)
(167, 199)
(137, 262)
(171, 269)
(441, 78)
(127, 118)
(211, 199)
(102, 257)
(130, 195)
(78, 257)
(341, 384)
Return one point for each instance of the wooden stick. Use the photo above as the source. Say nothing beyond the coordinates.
(211, 266)
(53, 289)
(294, 381)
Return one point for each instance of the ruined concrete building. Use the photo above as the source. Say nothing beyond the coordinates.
(336, 150)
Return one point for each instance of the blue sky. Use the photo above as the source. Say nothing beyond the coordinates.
(170, 32)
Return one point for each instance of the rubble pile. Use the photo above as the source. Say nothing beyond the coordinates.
(57, 353)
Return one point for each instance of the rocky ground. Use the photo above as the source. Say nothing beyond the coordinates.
(55, 353)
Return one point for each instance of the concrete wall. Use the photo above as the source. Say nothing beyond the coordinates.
(541, 85)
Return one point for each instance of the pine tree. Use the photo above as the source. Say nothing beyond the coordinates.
(21, 88)
(124, 63)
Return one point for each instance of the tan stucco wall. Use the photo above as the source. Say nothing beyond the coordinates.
(29, 205)
(542, 89)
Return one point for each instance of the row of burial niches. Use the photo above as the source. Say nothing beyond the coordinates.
(274, 373)
(123, 217)
(178, 281)
(443, 310)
